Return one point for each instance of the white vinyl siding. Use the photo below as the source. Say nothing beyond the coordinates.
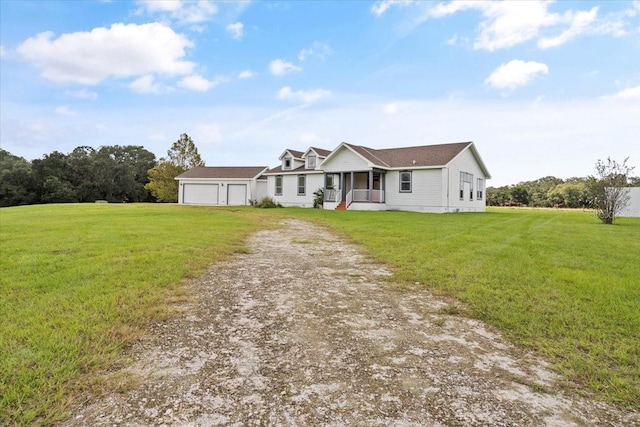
(345, 161)
(464, 162)
(289, 196)
(425, 195)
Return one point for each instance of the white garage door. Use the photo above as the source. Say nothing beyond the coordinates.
(237, 194)
(200, 194)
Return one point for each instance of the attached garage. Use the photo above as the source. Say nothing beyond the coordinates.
(222, 185)
(200, 194)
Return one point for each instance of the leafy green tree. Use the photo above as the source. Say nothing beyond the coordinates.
(570, 194)
(520, 194)
(498, 196)
(16, 181)
(608, 190)
(182, 156)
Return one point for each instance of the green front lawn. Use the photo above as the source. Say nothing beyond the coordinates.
(80, 282)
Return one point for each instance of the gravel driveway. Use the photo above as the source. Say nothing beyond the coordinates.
(302, 330)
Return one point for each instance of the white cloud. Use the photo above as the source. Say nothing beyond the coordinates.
(508, 23)
(515, 73)
(305, 96)
(630, 93)
(579, 22)
(246, 74)
(65, 110)
(83, 94)
(147, 84)
(123, 50)
(278, 67)
(382, 6)
(199, 83)
(318, 49)
(236, 30)
(186, 12)
(3, 51)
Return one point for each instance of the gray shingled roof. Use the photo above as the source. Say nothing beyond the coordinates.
(223, 172)
(295, 153)
(426, 155)
(321, 151)
(301, 168)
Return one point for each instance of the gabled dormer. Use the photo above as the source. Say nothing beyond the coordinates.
(291, 159)
(314, 156)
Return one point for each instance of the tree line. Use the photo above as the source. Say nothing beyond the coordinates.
(549, 191)
(115, 173)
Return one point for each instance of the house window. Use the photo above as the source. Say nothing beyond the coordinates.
(287, 163)
(329, 182)
(466, 178)
(480, 189)
(279, 185)
(301, 185)
(311, 161)
(405, 182)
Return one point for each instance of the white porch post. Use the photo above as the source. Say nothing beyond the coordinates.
(371, 186)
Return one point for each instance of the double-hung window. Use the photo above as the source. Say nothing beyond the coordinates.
(405, 182)
(466, 178)
(302, 185)
(287, 163)
(480, 189)
(278, 185)
(311, 162)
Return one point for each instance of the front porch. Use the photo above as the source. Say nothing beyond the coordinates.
(344, 189)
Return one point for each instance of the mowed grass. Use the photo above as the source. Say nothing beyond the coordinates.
(558, 282)
(79, 282)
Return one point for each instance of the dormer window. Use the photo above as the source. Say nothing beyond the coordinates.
(287, 163)
(311, 162)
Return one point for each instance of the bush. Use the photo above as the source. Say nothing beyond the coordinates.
(265, 203)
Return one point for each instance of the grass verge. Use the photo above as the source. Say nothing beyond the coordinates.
(79, 282)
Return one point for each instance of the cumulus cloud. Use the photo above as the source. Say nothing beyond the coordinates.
(186, 12)
(305, 96)
(515, 73)
(65, 110)
(123, 50)
(3, 51)
(199, 83)
(630, 93)
(391, 108)
(236, 30)
(278, 67)
(147, 85)
(83, 94)
(318, 49)
(246, 74)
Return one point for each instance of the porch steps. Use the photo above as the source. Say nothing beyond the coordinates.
(342, 206)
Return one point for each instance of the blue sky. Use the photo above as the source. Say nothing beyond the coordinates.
(542, 88)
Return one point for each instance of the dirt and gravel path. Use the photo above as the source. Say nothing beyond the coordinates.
(302, 330)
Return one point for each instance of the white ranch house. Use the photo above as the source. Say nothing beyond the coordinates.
(431, 178)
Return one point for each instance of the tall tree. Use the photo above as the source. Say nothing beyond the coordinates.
(182, 155)
(608, 188)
